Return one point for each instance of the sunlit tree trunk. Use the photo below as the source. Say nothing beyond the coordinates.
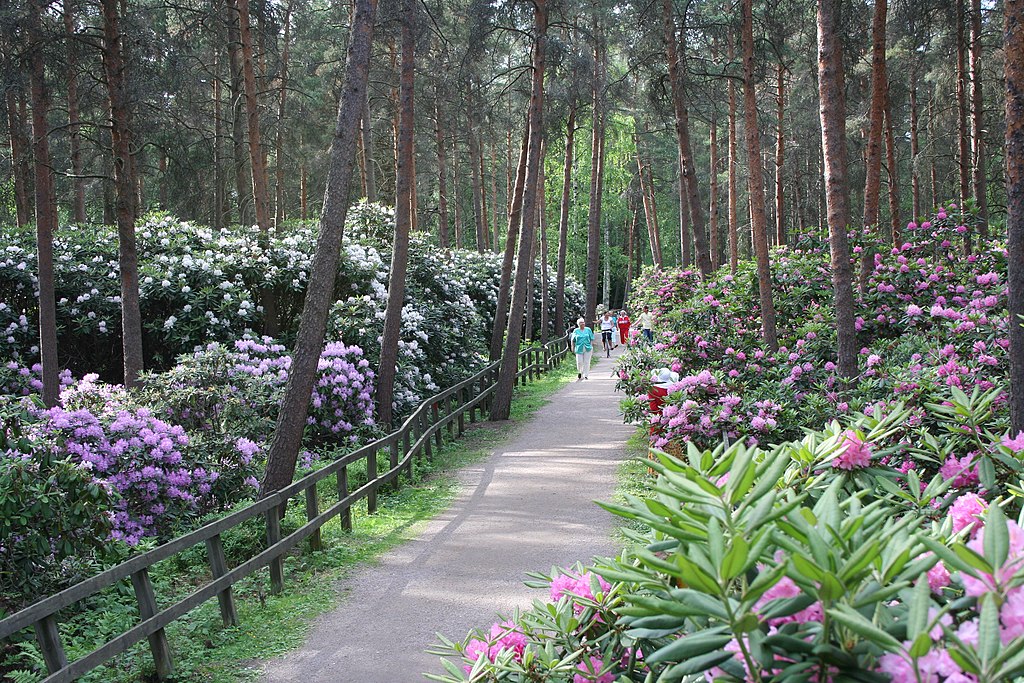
(442, 177)
(594, 214)
(19, 159)
(563, 220)
(279, 212)
(894, 177)
(962, 115)
(502, 402)
(977, 122)
(682, 127)
(403, 223)
(714, 238)
(507, 263)
(291, 420)
(125, 186)
(46, 204)
(1013, 46)
(684, 217)
(758, 220)
(630, 247)
(780, 152)
(236, 91)
(831, 81)
(734, 247)
(542, 227)
(873, 152)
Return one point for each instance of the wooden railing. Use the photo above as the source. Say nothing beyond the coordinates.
(415, 439)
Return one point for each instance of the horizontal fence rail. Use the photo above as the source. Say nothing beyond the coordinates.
(419, 434)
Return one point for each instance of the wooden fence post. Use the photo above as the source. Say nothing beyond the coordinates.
(395, 484)
(447, 413)
(147, 609)
(371, 475)
(273, 517)
(48, 637)
(462, 412)
(427, 445)
(436, 414)
(346, 514)
(218, 568)
(312, 510)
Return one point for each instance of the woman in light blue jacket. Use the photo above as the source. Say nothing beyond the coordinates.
(583, 344)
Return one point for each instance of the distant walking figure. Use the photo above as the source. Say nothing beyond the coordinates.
(647, 324)
(583, 345)
(606, 333)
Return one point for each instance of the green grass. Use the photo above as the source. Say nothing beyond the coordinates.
(269, 625)
(634, 479)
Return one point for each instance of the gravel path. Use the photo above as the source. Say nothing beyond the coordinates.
(527, 507)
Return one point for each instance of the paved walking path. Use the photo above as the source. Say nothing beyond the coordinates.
(528, 507)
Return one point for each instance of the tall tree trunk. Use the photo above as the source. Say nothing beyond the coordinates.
(478, 193)
(684, 215)
(915, 151)
(252, 112)
(962, 115)
(682, 126)
(370, 173)
(221, 212)
(46, 204)
(650, 210)
(403, 223)
(977, 122)
(74, 121)
(543, 229)
(594, 214)
(873, 151)
(484, 212)
(630, 246)
(303, 194)
(455, 192)
(243, 184)
(531, 298)
(780, 152)
(734, 240)
(124, 181)
(714, 237)
(19, 159)
(442, 178)
(563, 219)
(507, 264)
(1013, 46)
(279, 213)
(494, 200)
(894, 175)
(759, 226)
(309, 341)
(502, 403)
(831, 82)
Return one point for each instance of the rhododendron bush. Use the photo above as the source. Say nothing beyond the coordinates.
(809, 561)
(928, 319)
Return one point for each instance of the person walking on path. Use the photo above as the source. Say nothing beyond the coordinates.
(647, 324)
(583, 345)
(623, 322)
(606, 333)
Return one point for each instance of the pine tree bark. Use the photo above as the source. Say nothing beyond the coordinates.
(894, 176)
(502, 402)
(915, 149)
(366, 133)
(831, 83)
(291, 420)
(19, 159)
(515, 218)
(1013, 46)
(442, 177)
(650, 210)
(45, 202)
(221, 212)
(962, 115)
(252, 114)
(279, 212)
(542, 227)
(236, 90)
(759, 225)
(125, 187)
(478, 194)
(873, 151)
(714, 237)
(74, 119)
(630, 247)
(684, 216)
(682, 126)
(780, 152)
(977, 122)
(455, 192)
(403, 223)
(563, 220)
(594, 214)
(494, 200)
(734, 246)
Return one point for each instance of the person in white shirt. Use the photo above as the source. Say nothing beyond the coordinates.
(647, 324)
(606, 333)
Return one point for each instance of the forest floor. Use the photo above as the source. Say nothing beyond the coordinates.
(528, 507)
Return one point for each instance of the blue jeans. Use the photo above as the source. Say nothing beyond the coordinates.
(649, 335)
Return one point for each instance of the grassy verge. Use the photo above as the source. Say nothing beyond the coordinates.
(634, 479)
(270, 625)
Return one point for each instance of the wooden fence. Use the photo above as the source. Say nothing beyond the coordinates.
(415, 439)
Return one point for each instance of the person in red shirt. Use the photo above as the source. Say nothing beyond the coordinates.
(624, 327)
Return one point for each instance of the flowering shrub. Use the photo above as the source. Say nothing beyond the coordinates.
(810, 562)
(930, 318)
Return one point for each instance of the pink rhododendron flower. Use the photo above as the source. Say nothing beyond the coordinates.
(1011, 614)
(590, 668)
(857, 453)
(938, 577)
(1016, 444)
(966, 510)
